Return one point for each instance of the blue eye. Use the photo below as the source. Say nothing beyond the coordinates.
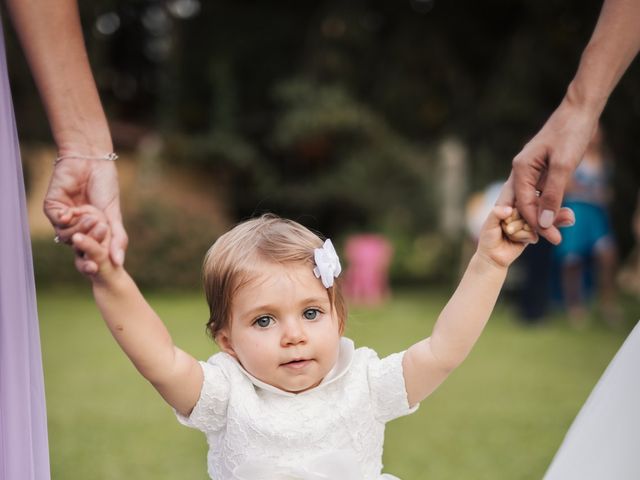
(263, 322)
(311, 313)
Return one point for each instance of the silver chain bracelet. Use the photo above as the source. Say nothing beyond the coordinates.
(109, 156)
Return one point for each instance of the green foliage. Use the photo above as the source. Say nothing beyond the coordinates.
(167, 246)
(53, 264)
(326, 153)
(165, 251)
(424, 258)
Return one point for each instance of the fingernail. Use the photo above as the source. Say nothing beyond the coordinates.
(119, 257)
(77, 237)
(567, 223)
(546, 218)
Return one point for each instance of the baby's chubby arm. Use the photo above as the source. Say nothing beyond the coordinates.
(136, 327)
(428, 363)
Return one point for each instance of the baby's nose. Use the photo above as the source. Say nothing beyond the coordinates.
(293, 333)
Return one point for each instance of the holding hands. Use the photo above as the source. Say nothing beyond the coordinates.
(544, 167)
(90, 239)
(504, 236)
(77, 183)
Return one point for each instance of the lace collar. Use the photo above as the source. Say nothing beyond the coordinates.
(345, 357)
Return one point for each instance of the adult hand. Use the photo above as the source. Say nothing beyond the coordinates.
(564, 218)
(76, 182)
(545, 166)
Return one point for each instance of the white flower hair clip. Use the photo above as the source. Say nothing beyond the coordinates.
(327, 263)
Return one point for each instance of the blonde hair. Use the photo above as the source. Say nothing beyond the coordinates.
(231, 260)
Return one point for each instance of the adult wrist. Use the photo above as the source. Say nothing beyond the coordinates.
(590, 88)
(588, 102)
(85, 149)
(88, 142)
(111, 157)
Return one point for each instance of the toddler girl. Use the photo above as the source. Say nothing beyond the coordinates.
(289, 397)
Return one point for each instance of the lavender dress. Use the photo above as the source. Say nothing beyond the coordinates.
(23, 423)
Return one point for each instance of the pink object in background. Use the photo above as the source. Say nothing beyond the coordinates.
(367, 276)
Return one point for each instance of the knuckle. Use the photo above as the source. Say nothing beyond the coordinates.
(563, 169)
(518, 161)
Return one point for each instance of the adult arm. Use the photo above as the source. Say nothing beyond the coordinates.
(547, 162)
(51, 36)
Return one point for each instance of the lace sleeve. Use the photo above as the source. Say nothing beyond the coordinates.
(388, 391)
(210, 412)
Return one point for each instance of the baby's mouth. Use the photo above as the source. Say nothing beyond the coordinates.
(298, 363)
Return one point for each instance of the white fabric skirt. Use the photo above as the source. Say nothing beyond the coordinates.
(604, 440)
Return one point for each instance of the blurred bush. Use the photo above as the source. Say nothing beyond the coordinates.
(167, 245)
(166, 248)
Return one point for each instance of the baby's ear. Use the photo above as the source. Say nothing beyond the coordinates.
(223, 339)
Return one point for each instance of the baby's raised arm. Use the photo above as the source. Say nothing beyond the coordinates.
(137, 328)
(428, 363)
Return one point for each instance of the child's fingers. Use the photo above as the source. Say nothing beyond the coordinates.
(82, 225)
(82, 263)
(501, 213)
(88, 248)
(72, 214)
(514, 227)
(99, 232)
(497, 216)
(87, 267)
(524, 236)
(515, 215)
(68, 225)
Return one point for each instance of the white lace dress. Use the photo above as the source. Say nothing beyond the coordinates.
(336, 430)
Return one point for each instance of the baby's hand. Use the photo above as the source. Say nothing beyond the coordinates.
(90, 241)
(501, 242)
(515, 227)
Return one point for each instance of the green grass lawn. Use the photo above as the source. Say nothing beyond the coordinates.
(501, 415)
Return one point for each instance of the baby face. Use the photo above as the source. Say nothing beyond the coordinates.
(283, 329)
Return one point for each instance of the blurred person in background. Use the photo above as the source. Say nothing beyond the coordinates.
(591, 238)
(367, 277)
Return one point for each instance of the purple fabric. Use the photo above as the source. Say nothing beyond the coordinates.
(23, 423)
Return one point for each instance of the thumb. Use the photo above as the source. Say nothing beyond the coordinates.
(498, 213)
(119, 238)
(507, 194)
(119, 243)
